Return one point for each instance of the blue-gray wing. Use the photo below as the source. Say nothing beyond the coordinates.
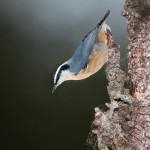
(81, 56)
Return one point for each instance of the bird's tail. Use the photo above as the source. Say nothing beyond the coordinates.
(104, 18)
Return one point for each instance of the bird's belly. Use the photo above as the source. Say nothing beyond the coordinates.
(96, 61)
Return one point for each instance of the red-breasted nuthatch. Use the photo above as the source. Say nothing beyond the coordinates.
(88, 58)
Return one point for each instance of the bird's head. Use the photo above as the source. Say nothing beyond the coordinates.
(62, 74)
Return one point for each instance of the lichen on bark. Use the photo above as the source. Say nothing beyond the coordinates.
(108, 124)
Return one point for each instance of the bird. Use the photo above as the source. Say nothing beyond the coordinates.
(88, 58)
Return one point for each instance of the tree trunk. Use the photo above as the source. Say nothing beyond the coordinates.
(138, 15)
(126, 124)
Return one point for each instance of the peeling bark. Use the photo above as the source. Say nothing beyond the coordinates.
(126, 123)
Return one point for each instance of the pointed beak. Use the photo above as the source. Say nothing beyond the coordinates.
(54, 89)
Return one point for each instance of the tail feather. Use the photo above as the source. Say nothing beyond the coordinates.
(98, 25)
(104, 18)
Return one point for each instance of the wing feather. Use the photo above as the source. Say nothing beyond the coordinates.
(81, 56)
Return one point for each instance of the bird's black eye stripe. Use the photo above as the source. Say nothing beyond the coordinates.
(64, 67)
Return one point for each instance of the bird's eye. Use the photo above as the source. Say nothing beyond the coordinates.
(64, 67)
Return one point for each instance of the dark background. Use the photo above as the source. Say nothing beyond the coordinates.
(36, 36)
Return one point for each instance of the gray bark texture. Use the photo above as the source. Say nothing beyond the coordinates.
(126, 123)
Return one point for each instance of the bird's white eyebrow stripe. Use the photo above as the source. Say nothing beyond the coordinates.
(64, 66)
(56, 73)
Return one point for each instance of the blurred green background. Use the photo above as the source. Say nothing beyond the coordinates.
(36, 36)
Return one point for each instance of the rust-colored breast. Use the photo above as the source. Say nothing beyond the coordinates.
(102, 37)
(96, 61)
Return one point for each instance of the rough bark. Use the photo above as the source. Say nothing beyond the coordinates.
(138, 14)
(126, 123)
(108, 126)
